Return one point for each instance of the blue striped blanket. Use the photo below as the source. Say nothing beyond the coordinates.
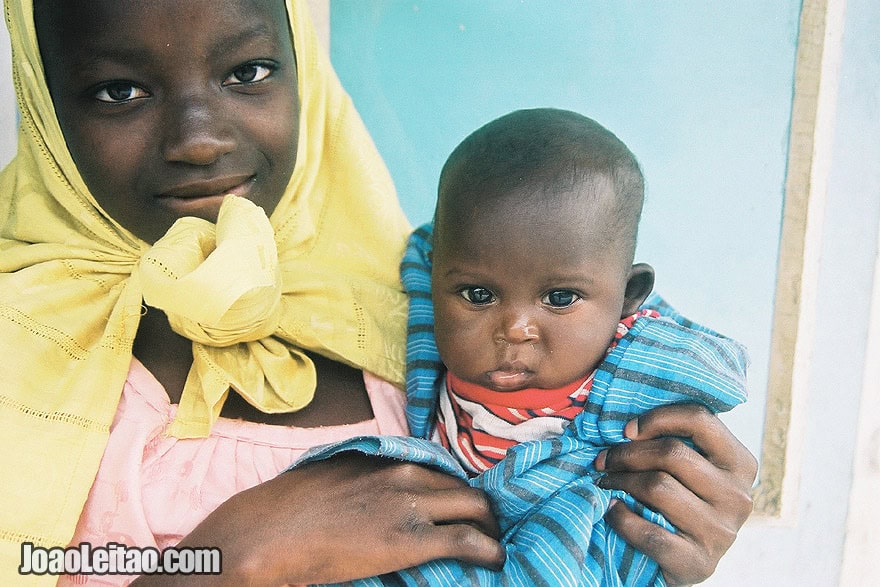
(549, 507)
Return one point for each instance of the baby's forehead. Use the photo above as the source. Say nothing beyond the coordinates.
(566, 196)
(568, 214)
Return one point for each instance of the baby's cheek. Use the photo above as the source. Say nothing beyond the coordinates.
(460, 345)
(588, 345)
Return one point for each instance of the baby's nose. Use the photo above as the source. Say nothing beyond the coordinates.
(518, 328)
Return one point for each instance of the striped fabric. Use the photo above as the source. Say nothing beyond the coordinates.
(549, 507)
(478, 425)
(479, 430)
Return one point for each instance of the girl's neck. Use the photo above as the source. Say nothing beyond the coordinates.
(340, 397)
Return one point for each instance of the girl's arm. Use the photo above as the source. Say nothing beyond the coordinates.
(705, 492)
(346, 517)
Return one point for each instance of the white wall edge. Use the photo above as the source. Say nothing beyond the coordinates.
(819, 174)
(861, 563)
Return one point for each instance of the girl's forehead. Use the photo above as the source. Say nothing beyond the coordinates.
(78, 38)
(117, 20)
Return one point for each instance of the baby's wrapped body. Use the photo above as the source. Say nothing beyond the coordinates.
(545, 492)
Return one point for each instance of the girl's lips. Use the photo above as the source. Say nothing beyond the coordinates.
(202, 201)
(218, 186)
(207, 207)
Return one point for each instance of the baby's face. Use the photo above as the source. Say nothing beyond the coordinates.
(529, 299)
(168, 105)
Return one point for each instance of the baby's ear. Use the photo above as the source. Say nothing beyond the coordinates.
(638, 286)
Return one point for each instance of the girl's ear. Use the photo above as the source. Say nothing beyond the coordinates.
(638, 286)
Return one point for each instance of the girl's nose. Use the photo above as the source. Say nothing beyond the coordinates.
(197, 133)
(518, 328)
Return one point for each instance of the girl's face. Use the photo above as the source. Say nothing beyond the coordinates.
(168, 105)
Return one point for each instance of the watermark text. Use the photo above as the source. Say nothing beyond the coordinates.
(118, 559)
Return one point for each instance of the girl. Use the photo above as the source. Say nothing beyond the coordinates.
(151, 115)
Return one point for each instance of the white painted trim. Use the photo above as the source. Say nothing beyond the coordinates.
(861, 563)
(826, 115)
(806, 187)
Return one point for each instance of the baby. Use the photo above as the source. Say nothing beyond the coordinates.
(533, 276)
(532, 342)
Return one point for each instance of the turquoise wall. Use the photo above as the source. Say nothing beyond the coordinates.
(700, 91)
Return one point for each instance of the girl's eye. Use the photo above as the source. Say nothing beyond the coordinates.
(118, 92)
(477, 295)
(560, 298)
(249, 74)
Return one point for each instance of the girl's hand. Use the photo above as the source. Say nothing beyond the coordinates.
(704, 492)
(347, 517)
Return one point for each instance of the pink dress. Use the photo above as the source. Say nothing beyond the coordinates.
(152, 489)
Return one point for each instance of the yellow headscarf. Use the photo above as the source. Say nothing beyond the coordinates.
(320, 275)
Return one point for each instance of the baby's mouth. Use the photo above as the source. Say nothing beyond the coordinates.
(510, 377)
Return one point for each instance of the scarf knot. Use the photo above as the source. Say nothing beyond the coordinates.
(218, 284)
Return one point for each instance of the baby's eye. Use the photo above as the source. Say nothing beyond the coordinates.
(477, 295)
(117, 92)
(249, 73)
(560, 298)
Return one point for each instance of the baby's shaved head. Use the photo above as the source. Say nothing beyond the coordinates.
(558, 150)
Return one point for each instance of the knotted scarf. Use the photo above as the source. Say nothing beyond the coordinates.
(251, 293)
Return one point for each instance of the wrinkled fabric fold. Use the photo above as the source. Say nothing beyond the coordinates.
(218, 284)
(221, 287)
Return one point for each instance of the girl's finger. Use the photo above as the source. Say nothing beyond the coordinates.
(671, 456)
(462, 505)
(682, 562)
(468, 544)
(709, 434)
(662, 492)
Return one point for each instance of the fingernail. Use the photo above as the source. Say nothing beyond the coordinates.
(599, 463)
(631, 430)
